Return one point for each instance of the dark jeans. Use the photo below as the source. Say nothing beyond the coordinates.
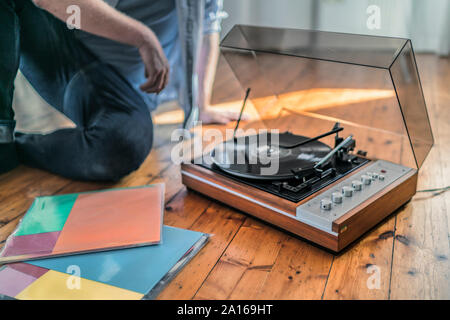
(114, 130)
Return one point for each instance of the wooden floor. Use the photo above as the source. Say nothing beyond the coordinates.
(247, 259)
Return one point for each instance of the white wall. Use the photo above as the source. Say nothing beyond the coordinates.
(276, 13)
(426, 22)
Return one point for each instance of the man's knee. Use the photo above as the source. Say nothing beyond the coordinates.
(123, 150)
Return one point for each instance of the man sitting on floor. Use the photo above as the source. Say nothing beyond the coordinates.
(106, 77)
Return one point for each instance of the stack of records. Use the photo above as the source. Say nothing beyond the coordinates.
(97, 245)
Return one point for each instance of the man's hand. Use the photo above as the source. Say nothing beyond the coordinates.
(102, 20)
(156, 65)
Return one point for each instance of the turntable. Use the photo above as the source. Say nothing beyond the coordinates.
(342, 131)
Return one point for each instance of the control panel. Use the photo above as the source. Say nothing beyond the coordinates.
(352, 191)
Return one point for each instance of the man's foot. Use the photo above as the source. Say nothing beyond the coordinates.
(212, 116)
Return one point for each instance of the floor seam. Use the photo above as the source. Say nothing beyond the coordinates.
(221, 255)
(392, 257)
(328, 277)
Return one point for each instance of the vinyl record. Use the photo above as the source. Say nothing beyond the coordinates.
(264, 157)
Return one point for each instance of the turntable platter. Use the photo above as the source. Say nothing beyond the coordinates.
(254, 157)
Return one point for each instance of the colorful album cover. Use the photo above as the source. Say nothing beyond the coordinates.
(133, 273)
(87, 222)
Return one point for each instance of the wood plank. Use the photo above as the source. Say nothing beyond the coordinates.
(255, 247)
(16, 204)
(351, 270)
(18, 179)
(185, 208)
(265, 263)
(300, 272)
(7, 229)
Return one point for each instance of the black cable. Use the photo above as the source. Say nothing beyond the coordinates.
(443, 189)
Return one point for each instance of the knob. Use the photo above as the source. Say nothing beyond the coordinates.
(357, 185)
(381, 177)
(375, 175)
(325, 204)
(371, 175)
(366, 179)
(347, 191)
(336, 197)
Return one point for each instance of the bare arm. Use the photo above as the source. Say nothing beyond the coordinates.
(100, 19)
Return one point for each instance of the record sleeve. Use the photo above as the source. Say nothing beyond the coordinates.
(87, 222)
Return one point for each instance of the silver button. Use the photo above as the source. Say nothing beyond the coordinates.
(336, 197)
(325, 204)
(347, 191)
(372, 175)
(357, 185)
(366, 179)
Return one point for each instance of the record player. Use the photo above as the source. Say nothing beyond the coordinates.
(341, 133)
